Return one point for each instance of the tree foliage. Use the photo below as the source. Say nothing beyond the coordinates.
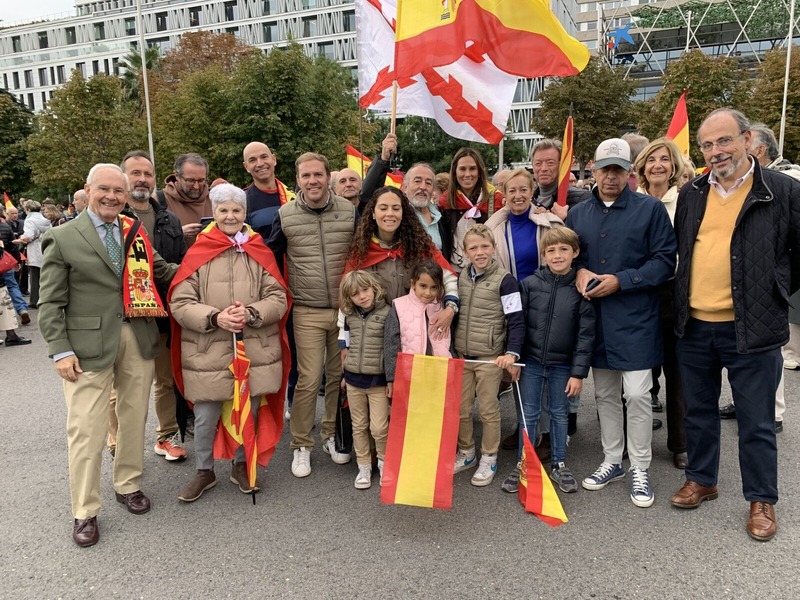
(711, 81)
(16, 124)
(131, 78)
(766, 101)
(86, 122)
(600, 97)
(287, 100)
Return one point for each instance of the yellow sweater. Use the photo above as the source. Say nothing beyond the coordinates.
(710, 296)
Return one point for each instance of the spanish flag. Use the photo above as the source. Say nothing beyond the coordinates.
(566, 164)
(521, 37)
(360, 164)
(678, 130)
(535, 488)
(7, 199)
(423, 432)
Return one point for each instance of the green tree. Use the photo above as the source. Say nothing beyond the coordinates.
(600, 98)
(766, 101)
(16, 124)
(86, 122)
(132, 81)
(711, 81)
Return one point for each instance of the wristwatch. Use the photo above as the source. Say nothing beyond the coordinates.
(453, 305)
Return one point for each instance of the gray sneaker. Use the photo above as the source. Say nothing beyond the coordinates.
(511, 483)
(564, 478)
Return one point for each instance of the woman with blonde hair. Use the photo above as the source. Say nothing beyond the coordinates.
(658, 168)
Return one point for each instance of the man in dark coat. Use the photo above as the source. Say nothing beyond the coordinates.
(628, 246)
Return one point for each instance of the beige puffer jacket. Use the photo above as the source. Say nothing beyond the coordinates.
(207, 351)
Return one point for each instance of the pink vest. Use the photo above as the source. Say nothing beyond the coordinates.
(414, 327)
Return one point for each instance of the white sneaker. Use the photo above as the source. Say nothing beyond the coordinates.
(364, 477)
(301, 463)
(791, 365)
(380, 470)
(288, 414)
(486, 470)
(329, 447)
(465, 459)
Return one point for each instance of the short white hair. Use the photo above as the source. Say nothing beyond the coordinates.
(100, 166)
(227, 192)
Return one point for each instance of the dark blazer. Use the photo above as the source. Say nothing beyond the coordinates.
(80, 297)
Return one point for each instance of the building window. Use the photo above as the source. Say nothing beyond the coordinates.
(16, 42)
(270, 32)
(70, 32)
(81, 67)
(29, 78)
(43, 77)
(52, 75)
(99, 31)
(232, 30)
(270, 7)
(231, 11)
(309, 4)
(16, 80)
(60, 74)
(5, 80)
(30, 102)
(95, 67)
(105, 67)
(43, 43)
(309, 26)
(130, 26)
(325, 49)
(44, 100)
(194, 17)
(115, 66)
(161, 21)
(349, 20)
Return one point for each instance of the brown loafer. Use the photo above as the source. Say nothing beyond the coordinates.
(692, 494)
(680, 460)
(25, 317)
(136, 502)
(762, 524)
(85, 532)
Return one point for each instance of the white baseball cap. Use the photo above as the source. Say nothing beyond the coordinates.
(615, 151)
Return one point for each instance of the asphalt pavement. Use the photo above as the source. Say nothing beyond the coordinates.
(321, 538)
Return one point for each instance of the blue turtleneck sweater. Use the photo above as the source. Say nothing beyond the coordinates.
(526, 251)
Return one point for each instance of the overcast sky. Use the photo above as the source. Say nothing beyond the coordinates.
(16, 10)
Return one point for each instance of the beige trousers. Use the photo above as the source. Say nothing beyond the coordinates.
(482, 381)
(369, 412)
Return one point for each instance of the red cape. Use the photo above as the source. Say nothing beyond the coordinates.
(376, 254)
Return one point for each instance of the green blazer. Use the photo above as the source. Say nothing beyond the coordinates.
(80, 297)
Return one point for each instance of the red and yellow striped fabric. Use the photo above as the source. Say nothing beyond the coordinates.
(678, 130)
(8, 202)
(360, 164)
(566, 163)
(423, 432)
(535, 488)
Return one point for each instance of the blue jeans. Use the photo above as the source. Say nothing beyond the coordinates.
(707, 348)
(537, 382)
(13, 290)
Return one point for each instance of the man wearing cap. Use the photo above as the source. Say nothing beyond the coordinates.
(628, 246)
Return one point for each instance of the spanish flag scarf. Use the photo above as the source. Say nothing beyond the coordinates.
(139, 294)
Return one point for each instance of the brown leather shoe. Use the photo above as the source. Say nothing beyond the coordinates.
(203, 480)
(136, 502)
(762, 524)
(692, 494)
(680, 460)
(85, 532)
(239, 477)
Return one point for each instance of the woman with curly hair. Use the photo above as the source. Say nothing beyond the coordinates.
(470, 199)
(389, 241)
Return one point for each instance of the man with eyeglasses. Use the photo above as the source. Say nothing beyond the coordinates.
(95, 308)
(185, 193)
(738, 228)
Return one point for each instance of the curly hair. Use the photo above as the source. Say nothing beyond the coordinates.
(410, 236)
(481, 186)
(351, 283)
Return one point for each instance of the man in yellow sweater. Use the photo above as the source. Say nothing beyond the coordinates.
(738, 229)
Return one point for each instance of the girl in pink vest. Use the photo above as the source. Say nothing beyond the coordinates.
(408, 320)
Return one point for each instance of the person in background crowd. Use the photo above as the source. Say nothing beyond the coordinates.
(546, 161)
(7, 237)
(36, 224)
(442, 184)
(267, 193)
(185, 193)
(688, 173)
(347, 184)
(499, 179)
(8, 316)
(636, 143)
(17, 227)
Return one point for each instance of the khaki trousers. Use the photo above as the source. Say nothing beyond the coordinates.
(315, 338)
(87, 423)
(163, 398)
(369, 412)
(482, 381)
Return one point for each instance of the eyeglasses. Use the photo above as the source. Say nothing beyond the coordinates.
(192, 182)
(721, 143)
(118, 192)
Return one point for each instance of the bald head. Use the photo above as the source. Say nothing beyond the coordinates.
(347, 185)
(260, 162)
(79, 201)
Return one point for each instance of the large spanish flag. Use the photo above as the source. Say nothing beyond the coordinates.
(678, 130)
(522, 37)
(535, 488)
(566, 163)
(360, 164)
(423, 432)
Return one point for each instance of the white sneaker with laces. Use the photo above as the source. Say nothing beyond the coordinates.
(380, 470)
(486, 470)
(364, 477)
(329, 447)
(465, 459)
(301, 462)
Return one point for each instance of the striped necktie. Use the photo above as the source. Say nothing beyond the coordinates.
(114, 250)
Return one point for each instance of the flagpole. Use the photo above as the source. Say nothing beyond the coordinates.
(490, 362)
(394, 106)
(140, 27)
(786, 76)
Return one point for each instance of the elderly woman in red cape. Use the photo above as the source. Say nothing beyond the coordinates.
(228, 306)
(388, 241)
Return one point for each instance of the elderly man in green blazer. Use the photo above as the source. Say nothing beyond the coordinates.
(98, 300)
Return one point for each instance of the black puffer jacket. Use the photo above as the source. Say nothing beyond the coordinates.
(559, 322)
(765, 257)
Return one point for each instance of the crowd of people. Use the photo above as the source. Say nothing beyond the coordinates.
(654, 270)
